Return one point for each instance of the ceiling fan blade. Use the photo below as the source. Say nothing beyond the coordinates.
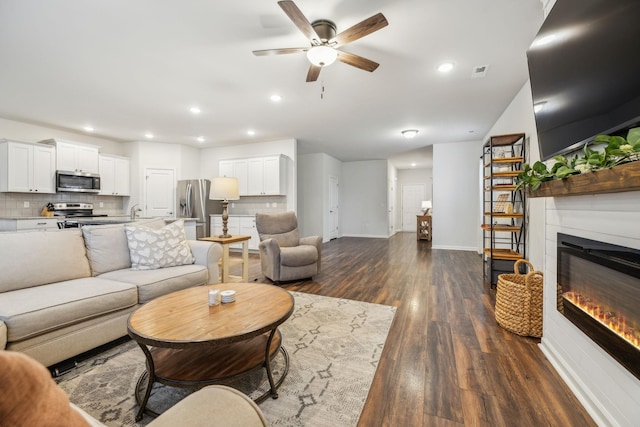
(282, 51)
(357, 61)
(313, 73)
(299, 19)
(360, 30)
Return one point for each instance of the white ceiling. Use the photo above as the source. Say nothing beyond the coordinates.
(128, 67)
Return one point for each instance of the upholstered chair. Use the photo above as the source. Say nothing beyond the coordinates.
(284, 256)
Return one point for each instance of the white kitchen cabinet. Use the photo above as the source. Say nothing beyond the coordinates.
(115, 175)
(237, 225)
(235, 169)
(248, 228)
(257, 176)
(71, 156)
(27, 168)
(22, 224)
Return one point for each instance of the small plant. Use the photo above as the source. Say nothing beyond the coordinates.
(617, 150)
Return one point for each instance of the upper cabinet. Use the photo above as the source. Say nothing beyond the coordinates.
(257, 176)
(115, 175)
(26, 168)
(71, 156)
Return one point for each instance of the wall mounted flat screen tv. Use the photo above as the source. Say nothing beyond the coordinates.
(584, 67)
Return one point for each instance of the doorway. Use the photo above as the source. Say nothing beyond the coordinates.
(334, 207)
(159, 192)
(412, 197)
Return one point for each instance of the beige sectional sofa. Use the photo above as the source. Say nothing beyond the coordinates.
(65, 292)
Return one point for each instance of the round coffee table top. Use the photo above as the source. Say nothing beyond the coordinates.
(184, 318)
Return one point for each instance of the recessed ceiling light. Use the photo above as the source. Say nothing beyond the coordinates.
(445, 67)
(276, 98)
(194, 110)
(88, 129)
(200, 139)
(251, 132)
(409, 133)
(148, 135)
(413, 165)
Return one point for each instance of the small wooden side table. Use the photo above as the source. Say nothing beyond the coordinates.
(228, 262)
(424, 227)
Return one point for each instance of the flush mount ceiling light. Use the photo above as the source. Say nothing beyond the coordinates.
(539, 107)
(322, 56)
(251, 132)
(200, 139)
(445, 67)
(88, 129)
(276, 98)
(410, 133)
(148, 135)
(194, 110)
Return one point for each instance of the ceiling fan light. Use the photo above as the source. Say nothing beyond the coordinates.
(321, 56)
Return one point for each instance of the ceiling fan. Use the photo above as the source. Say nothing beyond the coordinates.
(325, 43)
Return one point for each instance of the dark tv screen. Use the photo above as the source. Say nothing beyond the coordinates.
(584, 67)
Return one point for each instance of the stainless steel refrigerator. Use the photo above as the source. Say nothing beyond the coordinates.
(193, 201)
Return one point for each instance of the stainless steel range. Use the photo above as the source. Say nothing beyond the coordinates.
(69, 211)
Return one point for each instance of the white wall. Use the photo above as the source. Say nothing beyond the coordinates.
(27, 132)
(519, 117)
(455, 195)
(393, 207)
(364, 199)
(311, 207)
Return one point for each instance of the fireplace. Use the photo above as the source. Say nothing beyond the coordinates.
(599, 292)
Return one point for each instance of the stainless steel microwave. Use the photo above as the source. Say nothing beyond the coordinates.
(77, 182)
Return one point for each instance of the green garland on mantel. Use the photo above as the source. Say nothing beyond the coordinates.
(617, 150)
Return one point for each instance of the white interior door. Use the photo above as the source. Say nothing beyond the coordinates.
(412, 197)
(334, 207)
(160, 192)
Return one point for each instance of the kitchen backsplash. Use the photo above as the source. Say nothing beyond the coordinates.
(13, 204)
(248, 205)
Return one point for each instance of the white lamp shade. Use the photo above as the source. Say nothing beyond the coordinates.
(322, 56)
(426, 204)
(223, 188)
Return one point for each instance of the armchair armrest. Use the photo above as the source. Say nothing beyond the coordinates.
(207, 254)
(314, 241)
(3, 335)
(270, 258)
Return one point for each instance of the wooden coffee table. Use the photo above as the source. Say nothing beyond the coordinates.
(190, 344)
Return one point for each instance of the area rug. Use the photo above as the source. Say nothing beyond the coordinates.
(334, 346)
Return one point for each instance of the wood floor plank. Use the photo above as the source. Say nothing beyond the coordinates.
(446, 362)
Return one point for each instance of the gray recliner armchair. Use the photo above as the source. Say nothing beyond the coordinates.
(284, 256)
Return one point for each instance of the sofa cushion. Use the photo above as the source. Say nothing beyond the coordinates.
(33, 258)
(154, 283)
(298, 255)
(39, 309)
(150, 249)
(107, 246)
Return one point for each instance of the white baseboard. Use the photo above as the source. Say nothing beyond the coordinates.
(590, 403)
(455, 248)
(371, 236)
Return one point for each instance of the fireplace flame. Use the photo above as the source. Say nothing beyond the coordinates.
(615, 323)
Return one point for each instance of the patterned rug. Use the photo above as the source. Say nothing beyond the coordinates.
(334, 346)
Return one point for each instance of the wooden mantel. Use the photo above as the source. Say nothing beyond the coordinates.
(625, 177)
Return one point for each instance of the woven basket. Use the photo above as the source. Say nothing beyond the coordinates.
(519, 301)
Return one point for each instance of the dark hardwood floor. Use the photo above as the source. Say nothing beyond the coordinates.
(446, 362)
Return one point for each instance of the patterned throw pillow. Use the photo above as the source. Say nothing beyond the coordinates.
(151, 249)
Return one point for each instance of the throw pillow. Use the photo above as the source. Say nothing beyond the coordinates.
(151, 249)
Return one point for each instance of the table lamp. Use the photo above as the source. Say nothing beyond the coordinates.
(426, 207)
(225, 189)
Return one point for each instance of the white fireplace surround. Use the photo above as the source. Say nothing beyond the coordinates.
(609, 392)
